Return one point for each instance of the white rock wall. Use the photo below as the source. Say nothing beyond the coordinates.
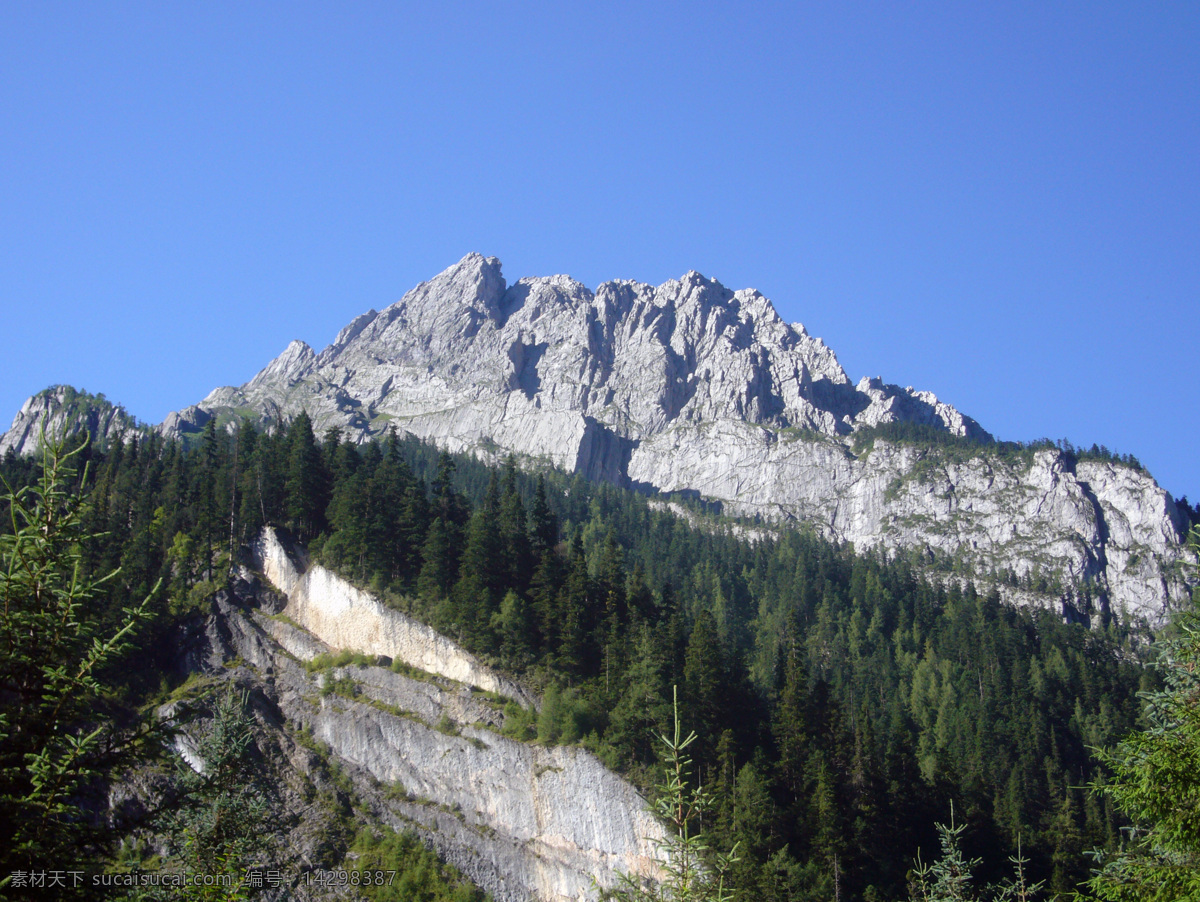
(345, 617)
(550, 824)
(546, 820)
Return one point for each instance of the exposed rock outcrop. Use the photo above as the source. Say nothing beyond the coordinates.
(523, 821)
(691, 387)
(345, 617)
(62, 412)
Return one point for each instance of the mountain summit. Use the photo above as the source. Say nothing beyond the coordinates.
(590, 381)
(691, 387)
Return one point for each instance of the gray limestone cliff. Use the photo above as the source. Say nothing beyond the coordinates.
(345, 617)
(62, 412)
(691, 387)
(425, 749)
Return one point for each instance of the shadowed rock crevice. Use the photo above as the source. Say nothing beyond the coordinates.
(525, 377)
(604, 455)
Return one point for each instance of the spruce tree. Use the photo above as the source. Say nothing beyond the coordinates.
(306, 482)
(543, 525)
(54, 740)
(1156, 781)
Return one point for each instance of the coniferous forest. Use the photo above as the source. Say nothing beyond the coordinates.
(844, 704)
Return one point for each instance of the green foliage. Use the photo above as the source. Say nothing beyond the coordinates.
(565, 716)
(395, 867)
(519, 722)
(307, 482)
(1156, 782)
(841, 700)
(219, 826)
(948, 446)
(949, 878)
(691, 870)
(54, 647)
(344, 658)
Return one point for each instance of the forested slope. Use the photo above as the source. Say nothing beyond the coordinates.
(842, 700)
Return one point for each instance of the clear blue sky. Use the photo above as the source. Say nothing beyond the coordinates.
(996, 202)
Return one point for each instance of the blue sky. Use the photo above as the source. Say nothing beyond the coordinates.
(996, 202)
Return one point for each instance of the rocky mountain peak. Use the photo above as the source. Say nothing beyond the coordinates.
(61, 411)
(294, 363)
(691, 386)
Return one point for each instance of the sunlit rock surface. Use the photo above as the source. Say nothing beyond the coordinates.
(523, 821)
(690, 387)
(62, 412)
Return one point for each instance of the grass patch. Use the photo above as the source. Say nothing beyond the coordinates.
(324, 662)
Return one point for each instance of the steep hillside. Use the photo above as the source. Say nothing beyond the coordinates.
(842, 701)
(524, 822)
(407, 746)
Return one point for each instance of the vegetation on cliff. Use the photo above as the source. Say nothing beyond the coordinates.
(842, 702)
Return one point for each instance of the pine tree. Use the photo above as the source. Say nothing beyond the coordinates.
(439, 561)
(543, 525)
(578, 650)
(514, 534)
(53, 740)
(641, 711)
(690, 870)
(705, 681)
(949, 878)
(220, 824)
(481, 570)
(512, 624)
(307, 483)
(1156, 782)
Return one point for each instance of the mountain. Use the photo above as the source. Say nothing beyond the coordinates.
(62, 410)
(840, 702)
(691, 388)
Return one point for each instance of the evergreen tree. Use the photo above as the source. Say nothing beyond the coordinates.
(439, 561)
(1156, 782)
(705, 682)
(54, 739)
(543, 525)
(513, 625)
(482, 569)
(219, 826)
(306, 481)
(516, 548)
(641, 711)
(544, 590)
(693, 871)
(578, 650)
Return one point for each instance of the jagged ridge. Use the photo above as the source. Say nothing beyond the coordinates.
(691, 387)
(62, 411)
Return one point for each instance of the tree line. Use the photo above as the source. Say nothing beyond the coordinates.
(842, 701)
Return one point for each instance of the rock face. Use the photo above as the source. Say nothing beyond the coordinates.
(549, 369)
(344, 617)
(524, 822)
(61, 411)
(690, 387)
